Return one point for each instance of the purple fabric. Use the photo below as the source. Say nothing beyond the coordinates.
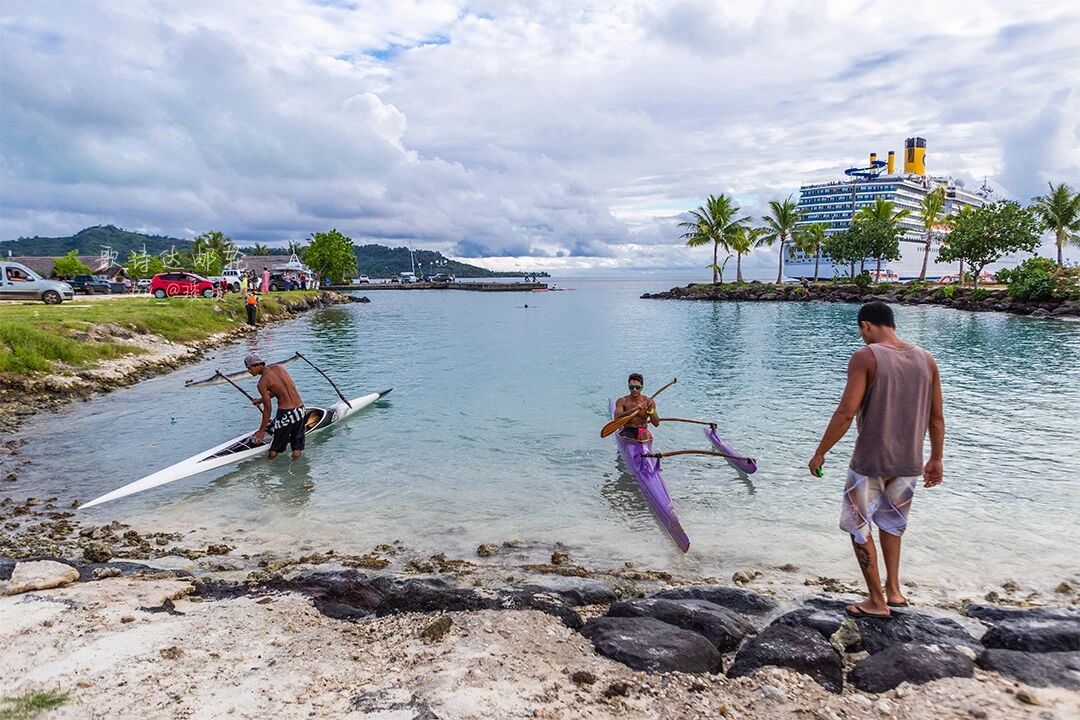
(746, 465)
(646, 471)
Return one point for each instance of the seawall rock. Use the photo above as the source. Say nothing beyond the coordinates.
(911, 663)
(645, 643)
(796, 648)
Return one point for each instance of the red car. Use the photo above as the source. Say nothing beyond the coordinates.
(171, 284)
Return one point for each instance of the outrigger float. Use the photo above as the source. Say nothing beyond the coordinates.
(242, 447)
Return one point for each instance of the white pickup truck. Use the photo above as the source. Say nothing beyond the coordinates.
(229, 276)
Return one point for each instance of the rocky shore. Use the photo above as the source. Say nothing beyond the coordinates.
(25, 395)
(979, 300)
(122, 622)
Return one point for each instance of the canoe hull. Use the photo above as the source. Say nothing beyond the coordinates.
(646, 472)
(742, 464)
(233, 451)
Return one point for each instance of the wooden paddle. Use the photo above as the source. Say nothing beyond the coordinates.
(696, 452)
(618, 422)
(695, 422)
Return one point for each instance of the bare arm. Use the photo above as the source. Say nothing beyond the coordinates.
(654, 418)
(264, 394)
(935, 470)
(859, 369)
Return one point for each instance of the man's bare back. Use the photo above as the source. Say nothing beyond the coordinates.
(276, 382)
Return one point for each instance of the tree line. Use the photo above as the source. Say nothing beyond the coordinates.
(973, 236)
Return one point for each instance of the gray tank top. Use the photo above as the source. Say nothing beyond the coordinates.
(895, 414)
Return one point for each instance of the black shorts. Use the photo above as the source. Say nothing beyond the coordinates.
(289, 428)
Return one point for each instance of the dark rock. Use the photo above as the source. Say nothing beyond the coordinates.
(908, 626)
(1040, 313)
(996, 613)
(97, 552)
(437, 629)
(362, 299)
(735, 599)
(574, 590)
(1060, 669)
(796, 648)
(617, 689)
(166, 606)
(1034, 635)
(6, 568)
(645, 643)
(425, 595)
(724, 628)
(123, 568)
(911, 663)
(826, 622)
(544, 602)
(583, 677)
(487, 550)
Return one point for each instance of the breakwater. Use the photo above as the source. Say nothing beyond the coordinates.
(960, 298)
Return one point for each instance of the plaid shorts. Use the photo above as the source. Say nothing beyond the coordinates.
(883, 501)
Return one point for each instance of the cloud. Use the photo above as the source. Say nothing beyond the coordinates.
(556, 135)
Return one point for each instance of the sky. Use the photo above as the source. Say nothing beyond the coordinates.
(560, 136)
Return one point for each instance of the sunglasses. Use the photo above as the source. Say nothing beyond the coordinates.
(635, 387)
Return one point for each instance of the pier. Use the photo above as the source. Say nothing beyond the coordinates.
(474, 287)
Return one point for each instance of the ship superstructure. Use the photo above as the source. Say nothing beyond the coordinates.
(835, 203)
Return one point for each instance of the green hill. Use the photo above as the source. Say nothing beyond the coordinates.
(373, 260)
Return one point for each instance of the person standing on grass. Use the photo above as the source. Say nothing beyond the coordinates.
(265, 280)
(894, 391)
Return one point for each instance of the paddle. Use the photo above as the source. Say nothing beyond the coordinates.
(246, 393)
(696, 452)
(695, 422)
(618, 422)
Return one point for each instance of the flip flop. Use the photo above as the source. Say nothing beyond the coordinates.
(899, 605)
(856, 611)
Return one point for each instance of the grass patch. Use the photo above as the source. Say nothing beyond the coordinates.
(34, 337)
(30, 705)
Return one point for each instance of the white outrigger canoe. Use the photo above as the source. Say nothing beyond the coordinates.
(240, 448)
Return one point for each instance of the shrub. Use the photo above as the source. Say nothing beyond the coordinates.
(862, 279)
(979, 294)
(949, 291)
(884, 286)
(1040, 279)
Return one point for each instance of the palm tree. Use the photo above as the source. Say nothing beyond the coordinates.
(780, 225)
(212, 247)
(1059, 211)
(260, 250)
(715, 223)
(885, 212)
(809, 239)
(743, 239)
(932, 206)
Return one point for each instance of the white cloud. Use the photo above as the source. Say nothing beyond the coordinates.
(550, 136)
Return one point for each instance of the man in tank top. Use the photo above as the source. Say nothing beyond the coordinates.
(894, 392)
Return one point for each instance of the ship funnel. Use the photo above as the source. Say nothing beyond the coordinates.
(892, 162)
(915, 155)
(873, 159)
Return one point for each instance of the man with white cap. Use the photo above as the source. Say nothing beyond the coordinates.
(288, 425)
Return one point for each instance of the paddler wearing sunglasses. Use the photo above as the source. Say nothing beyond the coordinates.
(637, 428)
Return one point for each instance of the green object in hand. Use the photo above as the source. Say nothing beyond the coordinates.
(819, 471)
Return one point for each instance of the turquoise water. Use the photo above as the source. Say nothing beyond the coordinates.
(491, 433)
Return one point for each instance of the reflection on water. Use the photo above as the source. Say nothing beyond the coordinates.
(492, 433)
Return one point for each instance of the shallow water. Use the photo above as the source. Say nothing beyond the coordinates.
(491, 433)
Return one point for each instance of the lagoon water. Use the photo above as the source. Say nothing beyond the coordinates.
(491, 433)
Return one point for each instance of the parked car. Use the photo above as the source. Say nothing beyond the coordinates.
(18, 282)
(229, 277)
(443, 278)
(90, 285)
(118, 287)
(170, 284)
(362, 280)
(143, 285)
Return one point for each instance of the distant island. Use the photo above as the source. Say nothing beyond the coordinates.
(372, 260)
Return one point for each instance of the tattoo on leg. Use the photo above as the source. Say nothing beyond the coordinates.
(862, 554)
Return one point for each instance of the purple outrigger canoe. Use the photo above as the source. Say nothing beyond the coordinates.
(646, 472)
(744, 464)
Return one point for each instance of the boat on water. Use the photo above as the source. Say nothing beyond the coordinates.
(734, 458)
(646, 472)
(236, 450)
(836, 202)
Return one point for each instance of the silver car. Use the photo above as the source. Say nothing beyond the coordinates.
(18, 282)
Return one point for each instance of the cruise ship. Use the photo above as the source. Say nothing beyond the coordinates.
(834, 203)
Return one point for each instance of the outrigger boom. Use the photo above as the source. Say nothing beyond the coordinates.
(219, 377)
